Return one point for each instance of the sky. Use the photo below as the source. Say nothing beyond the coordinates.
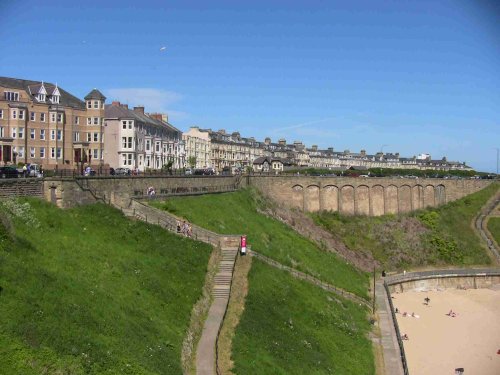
(399, 76)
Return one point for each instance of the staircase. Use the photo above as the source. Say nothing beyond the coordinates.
(222, 280)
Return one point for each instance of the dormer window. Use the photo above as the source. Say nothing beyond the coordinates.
(40, 97)
(55, 96)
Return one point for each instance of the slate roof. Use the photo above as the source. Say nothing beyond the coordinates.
(66, 99)
(120, 112)
(95, 94)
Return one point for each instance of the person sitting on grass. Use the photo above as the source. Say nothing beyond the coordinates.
(405, 337)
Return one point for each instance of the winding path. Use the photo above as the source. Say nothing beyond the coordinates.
(480, 225)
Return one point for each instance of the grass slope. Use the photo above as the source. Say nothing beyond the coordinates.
(86, 291)
(291, 327)
(233, 213)
(440, 236)
(494, 228)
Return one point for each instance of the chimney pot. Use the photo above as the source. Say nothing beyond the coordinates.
(139, 109)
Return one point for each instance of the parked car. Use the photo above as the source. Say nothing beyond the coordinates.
(8, 172)
(123, 172)
(188, 172)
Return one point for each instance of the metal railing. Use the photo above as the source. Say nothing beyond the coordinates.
(311, 279)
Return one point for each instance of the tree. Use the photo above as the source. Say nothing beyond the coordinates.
(192, 161)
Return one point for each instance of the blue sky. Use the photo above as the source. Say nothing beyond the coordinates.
(405, 76)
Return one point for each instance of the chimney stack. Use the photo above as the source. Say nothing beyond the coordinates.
(115, 104)
(139, 109)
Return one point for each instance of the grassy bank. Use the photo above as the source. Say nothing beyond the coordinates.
(436, 236)
(291, 327)
(494, 228)
(87, 291)
(237, 213)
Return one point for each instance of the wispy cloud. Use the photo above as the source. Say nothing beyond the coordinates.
(154, 100)
(303, 124)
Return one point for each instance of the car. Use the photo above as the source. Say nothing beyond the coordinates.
(123, 172)
(8, 172)
(188, 172)
(364, 175)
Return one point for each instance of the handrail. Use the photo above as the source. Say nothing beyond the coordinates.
(311, 279)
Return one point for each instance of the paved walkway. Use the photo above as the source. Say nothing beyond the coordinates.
(392, 354)
(206, 351)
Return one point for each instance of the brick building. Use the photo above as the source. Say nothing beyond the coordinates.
(42, 123)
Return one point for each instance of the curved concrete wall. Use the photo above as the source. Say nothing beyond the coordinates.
(363, 196)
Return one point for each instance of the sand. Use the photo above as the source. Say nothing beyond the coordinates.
(438, 344)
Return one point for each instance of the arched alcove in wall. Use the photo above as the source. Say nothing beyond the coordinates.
(347, 200)
(391, 199)
(298, 197)
(378, 200)
(330, 198)
(311, 198)
(362, 200)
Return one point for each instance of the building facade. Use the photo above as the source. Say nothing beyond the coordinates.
(42, 123)
(137, 140)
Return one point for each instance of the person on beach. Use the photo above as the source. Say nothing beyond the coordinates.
(427, 300)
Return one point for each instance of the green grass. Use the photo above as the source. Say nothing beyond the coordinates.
(292, 327)
(87, 291)
(494, 228)
(237, 213)
(435, 236)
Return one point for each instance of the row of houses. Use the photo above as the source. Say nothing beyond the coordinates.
(42, 123)
(220, 149)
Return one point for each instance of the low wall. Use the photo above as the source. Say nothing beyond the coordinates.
(446, 279)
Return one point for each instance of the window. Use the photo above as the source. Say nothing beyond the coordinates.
(89, 104)
(59, 117)
(76, 136)
(42, 152)
(96, 103)
(32, 133)
(32, 116)
(96, 120)
(11, 96)
(41, 97)
(59, 152)
(20, 152)
(59, 135)
(89, 120)
(52, 135)
(14, 132)
(96, 137)
(77, 120)
(21, 133)
(148, 145)
(42, 117)
(1, 131)
(42, 134)
(1, 113)
(55, 99)
(52, 152)
(89, 137)
(32, 152)
(157, 146)
(52, 117)
(130, 123)
(124, 124)
(95, 153)
(21, 114)
(14, 114)
(127, 159)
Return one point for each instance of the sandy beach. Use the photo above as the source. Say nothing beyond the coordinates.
(439, 343)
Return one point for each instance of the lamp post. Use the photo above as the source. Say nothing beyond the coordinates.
(498, 151)
(382, 148)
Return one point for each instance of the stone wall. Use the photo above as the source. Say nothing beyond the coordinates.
(363, 196)
(67, 192)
